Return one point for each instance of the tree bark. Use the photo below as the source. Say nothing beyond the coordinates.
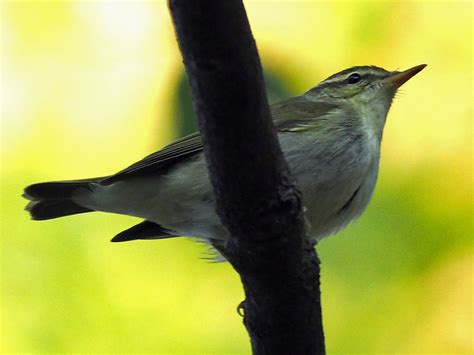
(256, 197)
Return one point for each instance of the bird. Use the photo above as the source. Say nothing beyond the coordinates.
(330, 137)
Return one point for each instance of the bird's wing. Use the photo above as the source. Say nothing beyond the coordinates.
(144, 230)
(177, 151)
(291, 115)
(298, 113)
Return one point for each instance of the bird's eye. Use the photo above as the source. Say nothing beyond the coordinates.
(353, 78)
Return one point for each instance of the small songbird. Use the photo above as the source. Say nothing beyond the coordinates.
(330, 137)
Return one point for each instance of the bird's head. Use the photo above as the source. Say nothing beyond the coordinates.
(362, 86)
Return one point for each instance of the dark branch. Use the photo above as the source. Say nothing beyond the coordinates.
(255, 193)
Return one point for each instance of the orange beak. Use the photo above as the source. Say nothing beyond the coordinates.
(397, 79)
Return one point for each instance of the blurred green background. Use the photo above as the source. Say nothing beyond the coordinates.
(90, 87)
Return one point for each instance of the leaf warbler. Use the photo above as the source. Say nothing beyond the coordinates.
(330, 137)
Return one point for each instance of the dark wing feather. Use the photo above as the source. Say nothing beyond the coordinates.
(144, 230)
(289, 115)
(172, 153)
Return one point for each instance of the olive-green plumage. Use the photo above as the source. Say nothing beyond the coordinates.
(330, 136)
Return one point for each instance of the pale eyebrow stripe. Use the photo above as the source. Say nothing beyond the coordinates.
(363, 71)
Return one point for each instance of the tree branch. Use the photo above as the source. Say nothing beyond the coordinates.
(256, 197)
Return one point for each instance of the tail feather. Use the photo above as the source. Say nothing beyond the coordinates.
(56, 199)
(54, 190)
(48, 209)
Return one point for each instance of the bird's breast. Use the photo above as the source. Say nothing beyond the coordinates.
(336, 177)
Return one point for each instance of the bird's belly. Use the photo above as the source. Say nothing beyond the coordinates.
(329, 211)
(335, 191)
(193, 217)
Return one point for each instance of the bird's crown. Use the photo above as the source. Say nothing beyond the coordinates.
(349, 82)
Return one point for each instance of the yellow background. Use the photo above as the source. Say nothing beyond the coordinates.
(88, 87)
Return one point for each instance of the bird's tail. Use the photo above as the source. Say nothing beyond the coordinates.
(56, 199)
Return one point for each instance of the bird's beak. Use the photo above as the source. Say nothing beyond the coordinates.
(397, 79)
